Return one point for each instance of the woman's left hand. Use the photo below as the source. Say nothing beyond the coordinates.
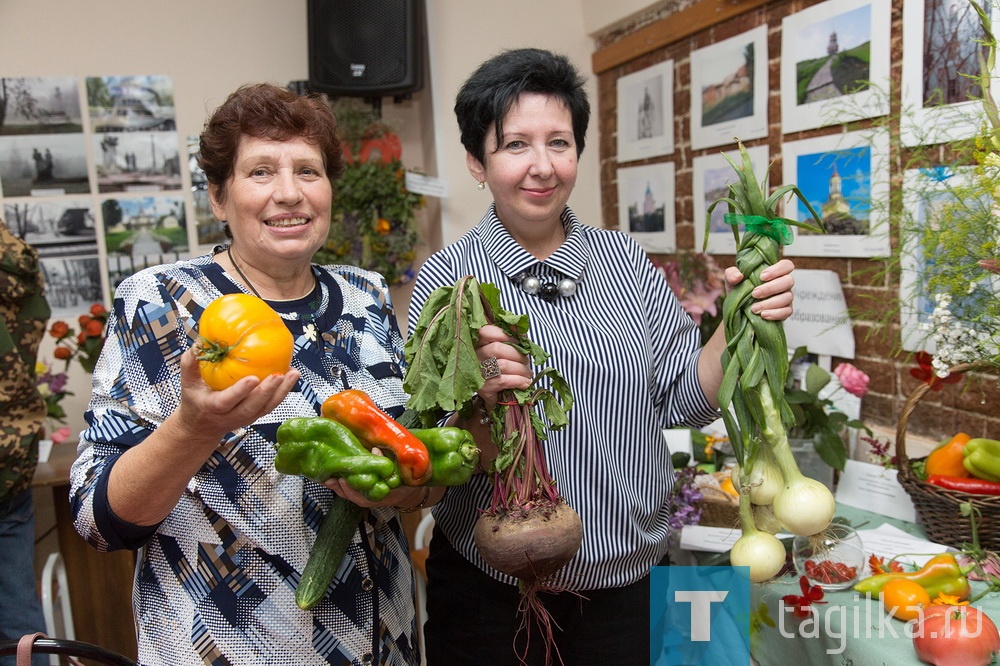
(403, 496)
(774, 294)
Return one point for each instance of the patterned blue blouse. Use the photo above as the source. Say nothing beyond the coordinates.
(215, 581)
(629, 353)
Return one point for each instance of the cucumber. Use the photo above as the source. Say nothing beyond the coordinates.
(334, 536)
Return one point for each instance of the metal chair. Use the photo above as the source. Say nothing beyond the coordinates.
(421, 542)
(38, 643)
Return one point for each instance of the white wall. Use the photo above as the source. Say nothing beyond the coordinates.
(464, 34)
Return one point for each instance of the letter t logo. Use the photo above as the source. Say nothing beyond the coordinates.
(701, 608)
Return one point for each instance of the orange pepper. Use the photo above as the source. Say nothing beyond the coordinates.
(946, 460)
(727, 486)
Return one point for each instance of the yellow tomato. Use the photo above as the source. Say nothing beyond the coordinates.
(241, 336)
(904, 599)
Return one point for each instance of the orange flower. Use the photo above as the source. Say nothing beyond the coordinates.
(383, 227)
(59, 330)
(878, 565)
(943, 599)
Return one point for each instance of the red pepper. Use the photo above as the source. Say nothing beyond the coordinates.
(965, 485)
(355, 410)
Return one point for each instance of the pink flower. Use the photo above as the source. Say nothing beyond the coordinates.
(853, 380)
(61, 435)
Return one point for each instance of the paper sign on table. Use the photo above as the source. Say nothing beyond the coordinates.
(874, 488)
(713, 539)
(888, 542)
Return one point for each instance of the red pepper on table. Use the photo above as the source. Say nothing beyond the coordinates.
(965, 485)
(356, 410)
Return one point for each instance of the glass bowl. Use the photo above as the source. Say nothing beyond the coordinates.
(834, 559)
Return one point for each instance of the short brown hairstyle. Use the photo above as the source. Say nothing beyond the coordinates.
(267, 111)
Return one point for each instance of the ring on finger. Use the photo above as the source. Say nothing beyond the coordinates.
(490, 368)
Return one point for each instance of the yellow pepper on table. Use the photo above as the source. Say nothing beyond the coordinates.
(940, 575)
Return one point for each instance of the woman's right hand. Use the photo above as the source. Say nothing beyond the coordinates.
(515, 367)
(205, 411)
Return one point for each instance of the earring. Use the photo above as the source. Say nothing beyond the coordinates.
(481, 186)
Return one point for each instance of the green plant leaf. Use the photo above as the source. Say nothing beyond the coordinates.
(816, 378)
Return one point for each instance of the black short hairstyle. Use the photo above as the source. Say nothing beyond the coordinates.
(488, 94)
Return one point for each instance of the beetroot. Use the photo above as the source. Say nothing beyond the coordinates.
(532, 543)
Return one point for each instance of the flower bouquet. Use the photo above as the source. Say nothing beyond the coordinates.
(816, 416)
(374, 223)
(698, 283)
(52, 386)
(84, 346)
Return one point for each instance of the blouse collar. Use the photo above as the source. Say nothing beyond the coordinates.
(570, 258)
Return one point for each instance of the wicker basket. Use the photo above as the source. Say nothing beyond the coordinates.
(938, 509)
(718, 508)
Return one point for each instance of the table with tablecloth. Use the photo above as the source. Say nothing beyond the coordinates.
(849, 629)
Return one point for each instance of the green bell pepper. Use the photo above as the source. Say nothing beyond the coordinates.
(982, 458)
(454, 454)
(319, 448)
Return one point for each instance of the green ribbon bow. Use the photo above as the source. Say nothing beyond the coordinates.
(775, 229)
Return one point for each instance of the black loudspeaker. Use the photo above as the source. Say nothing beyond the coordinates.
(366, 48)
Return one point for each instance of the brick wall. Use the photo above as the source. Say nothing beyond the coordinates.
(871, 290)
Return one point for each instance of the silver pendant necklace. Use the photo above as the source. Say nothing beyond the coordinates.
(313, 306)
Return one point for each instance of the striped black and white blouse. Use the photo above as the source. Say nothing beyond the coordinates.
(629, 353)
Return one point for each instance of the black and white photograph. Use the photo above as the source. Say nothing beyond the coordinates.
(646, 113)
(40, 105)
(72, 284)
(43, 165)
(942, 44)
(58, 227)
(131, 103)
(646, 206)
(834, 63)
(142, 232)
(729, 90)
(136, 161)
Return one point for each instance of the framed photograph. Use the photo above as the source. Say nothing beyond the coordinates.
(131, 103)
(646, 113)
(845, 178)
(646, 206)
(930, 197)
(40, 105)
(835, 63)
(209, 230)
(712, 174)
(729, 90)
(136, 161)
(57, 227)
(72, 283)
(39, 165)
(142, 232)
(942, 42)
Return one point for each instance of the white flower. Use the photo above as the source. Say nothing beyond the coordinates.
(310, 331)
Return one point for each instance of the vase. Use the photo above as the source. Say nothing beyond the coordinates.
(809, 462)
